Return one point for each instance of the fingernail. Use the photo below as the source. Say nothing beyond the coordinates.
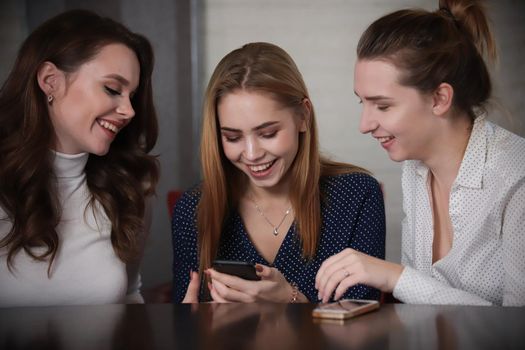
(319, 296)
(259, 268)
(207, 272)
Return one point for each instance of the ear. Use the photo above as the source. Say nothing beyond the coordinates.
(442, 99)
(306, 115)
(49, 78)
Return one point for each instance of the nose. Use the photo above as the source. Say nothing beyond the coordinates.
(252, 150)
(125, 108)
(367, 123)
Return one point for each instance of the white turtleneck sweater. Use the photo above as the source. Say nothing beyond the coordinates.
(86, 269)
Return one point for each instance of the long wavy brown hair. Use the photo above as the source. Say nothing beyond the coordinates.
(266, 68)
(447, 45)
(120, 180)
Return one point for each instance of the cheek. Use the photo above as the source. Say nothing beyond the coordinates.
(230, 150)
(78, 106)
(289, 144)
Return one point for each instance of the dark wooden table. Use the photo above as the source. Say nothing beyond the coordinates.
(259, 326)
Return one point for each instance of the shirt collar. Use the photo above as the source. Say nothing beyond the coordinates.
(69, 165)
(471, 170)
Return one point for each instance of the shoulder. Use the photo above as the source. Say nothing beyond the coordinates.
(505, 151)
(188, 201)
(356, 183)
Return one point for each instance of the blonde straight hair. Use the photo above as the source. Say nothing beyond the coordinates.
(264, 68)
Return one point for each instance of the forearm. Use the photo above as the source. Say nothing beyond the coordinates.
(415, 287)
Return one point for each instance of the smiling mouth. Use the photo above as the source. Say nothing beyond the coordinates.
(261, 167)
(107, 125)
(384, 139)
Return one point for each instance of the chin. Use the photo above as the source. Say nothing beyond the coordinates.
(99, 151)
(396, 157)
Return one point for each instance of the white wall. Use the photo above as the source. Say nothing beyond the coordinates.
(322, 36)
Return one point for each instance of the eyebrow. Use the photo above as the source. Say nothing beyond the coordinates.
(119, 78)
(259, 127)
(374, 98)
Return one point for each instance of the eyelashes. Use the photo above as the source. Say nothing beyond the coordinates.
(112, 92)
(269, 135)
(233, 139)
(382, 108)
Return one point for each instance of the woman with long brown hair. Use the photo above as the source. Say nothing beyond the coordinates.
(267, 196)
(77, 122)
(424, 85)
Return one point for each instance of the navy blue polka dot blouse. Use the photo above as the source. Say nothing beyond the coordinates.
(353, 216)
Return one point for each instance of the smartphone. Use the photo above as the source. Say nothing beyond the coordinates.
(237, 268)
(345, 308)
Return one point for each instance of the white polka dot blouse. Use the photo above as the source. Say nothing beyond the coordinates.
(486, 265)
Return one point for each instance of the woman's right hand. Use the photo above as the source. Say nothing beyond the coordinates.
(350, 267)
(272, 287)
(192, 294)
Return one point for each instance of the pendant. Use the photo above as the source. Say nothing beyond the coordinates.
(275, 233)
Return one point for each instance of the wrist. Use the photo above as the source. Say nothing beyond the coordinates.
(294, 294)
(395, 272)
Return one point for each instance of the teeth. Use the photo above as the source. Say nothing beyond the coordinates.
(261, 167)
(108, 125)
(385, 138)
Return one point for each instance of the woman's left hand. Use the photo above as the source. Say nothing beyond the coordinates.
(272, 286)
(350, 267)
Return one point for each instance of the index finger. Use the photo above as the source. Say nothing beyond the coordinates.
(230, 280)
(329, 262)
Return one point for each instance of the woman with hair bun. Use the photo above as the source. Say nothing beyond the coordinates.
(423, 82)
(77, 122)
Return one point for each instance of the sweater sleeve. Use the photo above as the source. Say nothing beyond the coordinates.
(133, 295)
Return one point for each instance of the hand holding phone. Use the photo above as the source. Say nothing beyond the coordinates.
(240, 269)
(343, 309)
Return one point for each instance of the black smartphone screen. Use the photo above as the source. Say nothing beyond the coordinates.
(237, 268)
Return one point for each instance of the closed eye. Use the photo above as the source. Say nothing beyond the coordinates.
(111, 91)
(269, 135)
(383, 107)
(231, 138)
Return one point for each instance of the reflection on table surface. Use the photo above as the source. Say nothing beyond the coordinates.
(259, 326)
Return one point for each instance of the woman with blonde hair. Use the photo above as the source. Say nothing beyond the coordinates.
(423, 83)
(267, 196)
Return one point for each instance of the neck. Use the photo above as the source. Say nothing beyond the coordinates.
(448, 149)
(277, 193)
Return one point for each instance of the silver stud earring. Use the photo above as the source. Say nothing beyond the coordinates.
(50, 99)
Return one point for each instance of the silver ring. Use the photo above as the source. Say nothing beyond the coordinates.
(346, 273)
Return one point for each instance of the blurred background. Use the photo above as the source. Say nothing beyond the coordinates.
(191, 36)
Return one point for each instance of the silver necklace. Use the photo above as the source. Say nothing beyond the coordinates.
(275, 230)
